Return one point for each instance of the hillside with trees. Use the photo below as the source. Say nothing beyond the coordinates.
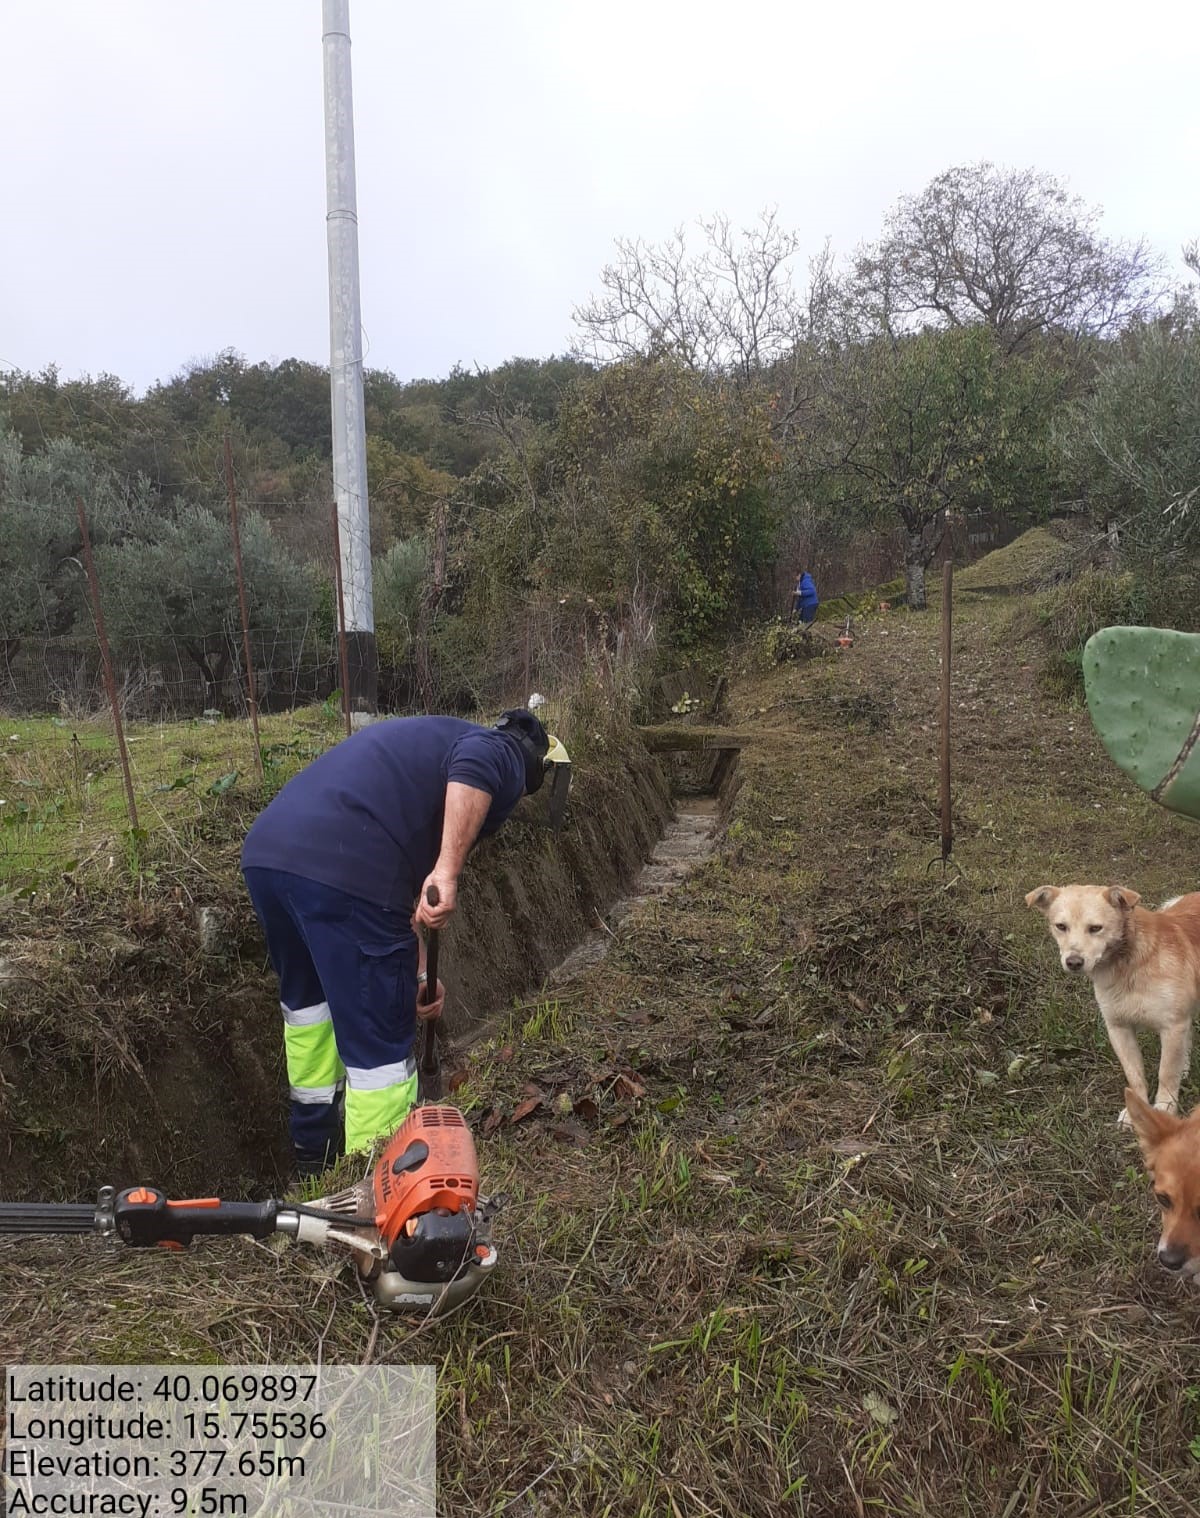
(988, 361)
(809, 1193)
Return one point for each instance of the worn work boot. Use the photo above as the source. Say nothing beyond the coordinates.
(312, 1163)
(308, 1167)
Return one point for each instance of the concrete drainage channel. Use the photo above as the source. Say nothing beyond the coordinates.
(702, 766)
(704, 779)
(689, 838)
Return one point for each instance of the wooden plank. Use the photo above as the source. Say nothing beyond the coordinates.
(670, 739)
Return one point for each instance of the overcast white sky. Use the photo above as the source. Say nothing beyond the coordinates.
(163, 182)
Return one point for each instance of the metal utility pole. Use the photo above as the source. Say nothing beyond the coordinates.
(345, 361)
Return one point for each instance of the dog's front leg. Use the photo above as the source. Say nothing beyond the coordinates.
(1172, 1064)
(1125, 1046)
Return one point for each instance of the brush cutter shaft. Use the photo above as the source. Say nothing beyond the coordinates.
(48, 1217)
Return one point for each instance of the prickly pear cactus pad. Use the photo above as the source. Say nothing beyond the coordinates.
(1143, 693)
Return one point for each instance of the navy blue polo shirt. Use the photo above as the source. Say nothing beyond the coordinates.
(366, 817)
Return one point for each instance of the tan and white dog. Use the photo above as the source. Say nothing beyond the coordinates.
(1144, 967)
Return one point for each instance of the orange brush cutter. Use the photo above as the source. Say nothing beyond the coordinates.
(415, 1226)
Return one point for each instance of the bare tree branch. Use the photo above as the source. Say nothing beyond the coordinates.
(1011, 249)
(730, 308)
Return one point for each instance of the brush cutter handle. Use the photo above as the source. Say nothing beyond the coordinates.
(49, 1217)
(145, 1216)
(141, 1216)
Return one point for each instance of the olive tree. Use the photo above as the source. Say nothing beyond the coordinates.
(1132, 446)
(909, 429)
(175, 588)
(41, 578)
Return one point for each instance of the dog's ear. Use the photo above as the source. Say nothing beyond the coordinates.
(1042, 898)
(1150, 1124)
(1121, 896)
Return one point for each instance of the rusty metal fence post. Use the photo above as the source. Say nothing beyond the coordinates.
(251, 700)
(106, 659)
(947, 816)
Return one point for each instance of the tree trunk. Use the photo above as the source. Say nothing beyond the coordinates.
(201, 660)
(221, 675)
(211, 696)
(914, 570)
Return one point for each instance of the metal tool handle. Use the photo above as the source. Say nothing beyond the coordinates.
(431, 1065)
(431, 949)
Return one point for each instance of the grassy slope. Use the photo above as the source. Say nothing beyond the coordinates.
(64, 797)
(854, 1231)
(1028, 561)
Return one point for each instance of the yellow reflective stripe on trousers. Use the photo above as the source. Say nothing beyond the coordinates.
(376, 1113)
(312, 1057)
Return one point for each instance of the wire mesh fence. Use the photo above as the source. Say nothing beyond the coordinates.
(202, 637)
(189, 744)
(161, 678)
(188, 653)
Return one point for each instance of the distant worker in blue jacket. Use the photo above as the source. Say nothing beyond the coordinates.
(804, 598)
(335, 866)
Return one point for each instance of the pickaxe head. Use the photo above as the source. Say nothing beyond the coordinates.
(558, 766)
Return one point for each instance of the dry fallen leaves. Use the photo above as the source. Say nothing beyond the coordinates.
(879, 1409)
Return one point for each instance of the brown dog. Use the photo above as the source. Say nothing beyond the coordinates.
(1171, 1148)
(1144, 968)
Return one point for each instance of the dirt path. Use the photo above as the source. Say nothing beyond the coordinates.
(823, 1209)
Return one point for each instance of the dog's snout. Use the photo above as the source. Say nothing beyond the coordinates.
(1074, 961)
(1172, 1256)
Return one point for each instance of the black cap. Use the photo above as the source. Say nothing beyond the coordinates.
(521, 725)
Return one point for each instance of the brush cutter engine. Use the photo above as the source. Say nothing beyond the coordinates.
(416, 1227)
(429, 1241)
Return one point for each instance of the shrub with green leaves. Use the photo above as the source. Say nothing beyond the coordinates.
(399, 579)
(1132, 445)
(1068, 615)
(656, 478)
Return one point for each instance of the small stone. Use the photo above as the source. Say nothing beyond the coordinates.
(210, 925)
